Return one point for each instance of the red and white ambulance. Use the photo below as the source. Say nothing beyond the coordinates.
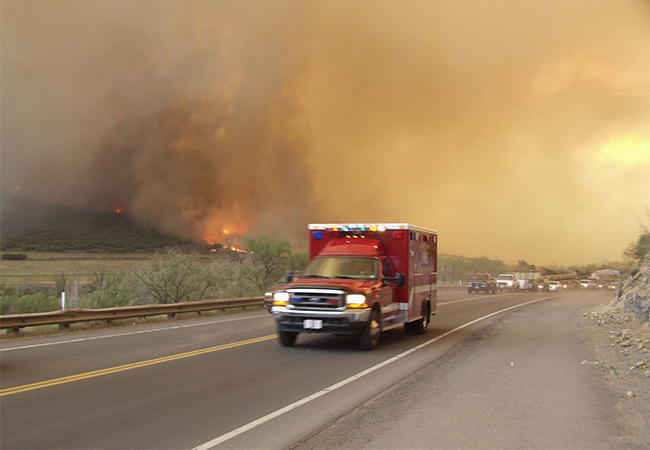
(362, 279)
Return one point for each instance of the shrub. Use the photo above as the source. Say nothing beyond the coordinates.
(13, 256)
(27, 304)
(172, 279)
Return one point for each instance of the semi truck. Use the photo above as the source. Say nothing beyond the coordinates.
(362, 279)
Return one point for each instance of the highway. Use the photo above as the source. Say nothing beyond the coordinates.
(213, 382)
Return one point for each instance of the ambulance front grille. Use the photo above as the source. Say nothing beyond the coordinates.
(316, 299)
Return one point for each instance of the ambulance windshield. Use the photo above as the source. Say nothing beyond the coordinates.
(342, 267)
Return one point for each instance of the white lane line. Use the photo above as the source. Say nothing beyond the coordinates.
(262, 420)
(131, 333)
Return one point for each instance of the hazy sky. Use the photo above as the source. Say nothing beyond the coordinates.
(516, 129)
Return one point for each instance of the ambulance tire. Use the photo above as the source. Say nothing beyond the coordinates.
(370, 335)
(420, 326)
(288, 338)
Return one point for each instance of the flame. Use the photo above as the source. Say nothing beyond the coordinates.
(227, 246)
(118, 210)
(225, 228)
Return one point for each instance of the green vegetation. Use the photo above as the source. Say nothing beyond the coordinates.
(638, 251)
(13, 256)
(172, 277)
(177, 272)
(269, 255)
(26, 299)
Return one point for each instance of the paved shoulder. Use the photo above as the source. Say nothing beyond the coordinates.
(526, 381)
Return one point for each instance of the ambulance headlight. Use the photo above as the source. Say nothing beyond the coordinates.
(280, 298)
(356, 301)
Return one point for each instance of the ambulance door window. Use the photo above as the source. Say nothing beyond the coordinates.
(386, 268)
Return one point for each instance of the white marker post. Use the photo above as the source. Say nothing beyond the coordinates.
(62, 300)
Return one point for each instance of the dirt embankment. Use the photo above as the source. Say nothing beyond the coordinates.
(621, 341)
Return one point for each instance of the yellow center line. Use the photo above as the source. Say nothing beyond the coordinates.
(110, 370)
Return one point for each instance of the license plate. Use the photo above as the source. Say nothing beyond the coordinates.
(312, 324)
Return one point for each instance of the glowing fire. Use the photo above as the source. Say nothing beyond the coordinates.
(226, 246)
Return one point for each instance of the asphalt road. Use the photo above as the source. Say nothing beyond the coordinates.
(226, 382)
(527, 381)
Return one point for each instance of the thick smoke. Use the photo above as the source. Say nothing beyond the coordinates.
(180, 114)
(517, 129)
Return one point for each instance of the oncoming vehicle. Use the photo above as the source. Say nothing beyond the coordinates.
(362, 279)
(587, 284)
(526, 285)
(542, 284)
(482, 282)
(507, 282)
(570, 284)
(554, 286)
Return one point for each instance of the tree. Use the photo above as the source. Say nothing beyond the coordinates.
(523, 266)
(271, 255)
(298, 261)
(171, 278)
(638, 251)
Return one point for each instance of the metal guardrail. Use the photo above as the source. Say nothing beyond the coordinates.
(67, 316)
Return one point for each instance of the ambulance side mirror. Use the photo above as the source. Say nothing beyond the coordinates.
(398, 280)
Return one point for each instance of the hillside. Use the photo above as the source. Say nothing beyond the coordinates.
(28, 225)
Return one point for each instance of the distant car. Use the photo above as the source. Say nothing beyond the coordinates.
(526, 285)
(587, 284)
(554, 286)
(541, 284)
(507, 282)
(482, 282)
(571, 284)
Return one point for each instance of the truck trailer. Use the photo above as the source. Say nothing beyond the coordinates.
(362, 279)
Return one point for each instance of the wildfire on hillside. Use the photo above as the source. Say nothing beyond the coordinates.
(213, 244)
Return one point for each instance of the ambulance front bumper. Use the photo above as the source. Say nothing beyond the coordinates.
(348, 322)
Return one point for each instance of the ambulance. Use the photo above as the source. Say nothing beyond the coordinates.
(362, 279)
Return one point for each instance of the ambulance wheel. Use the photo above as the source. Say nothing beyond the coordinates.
(370, 336)
(288, 338)
(420, 326)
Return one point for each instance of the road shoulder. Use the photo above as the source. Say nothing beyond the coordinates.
(621, 349)
(531, 380)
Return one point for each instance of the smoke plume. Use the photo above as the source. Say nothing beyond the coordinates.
(518, 130)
